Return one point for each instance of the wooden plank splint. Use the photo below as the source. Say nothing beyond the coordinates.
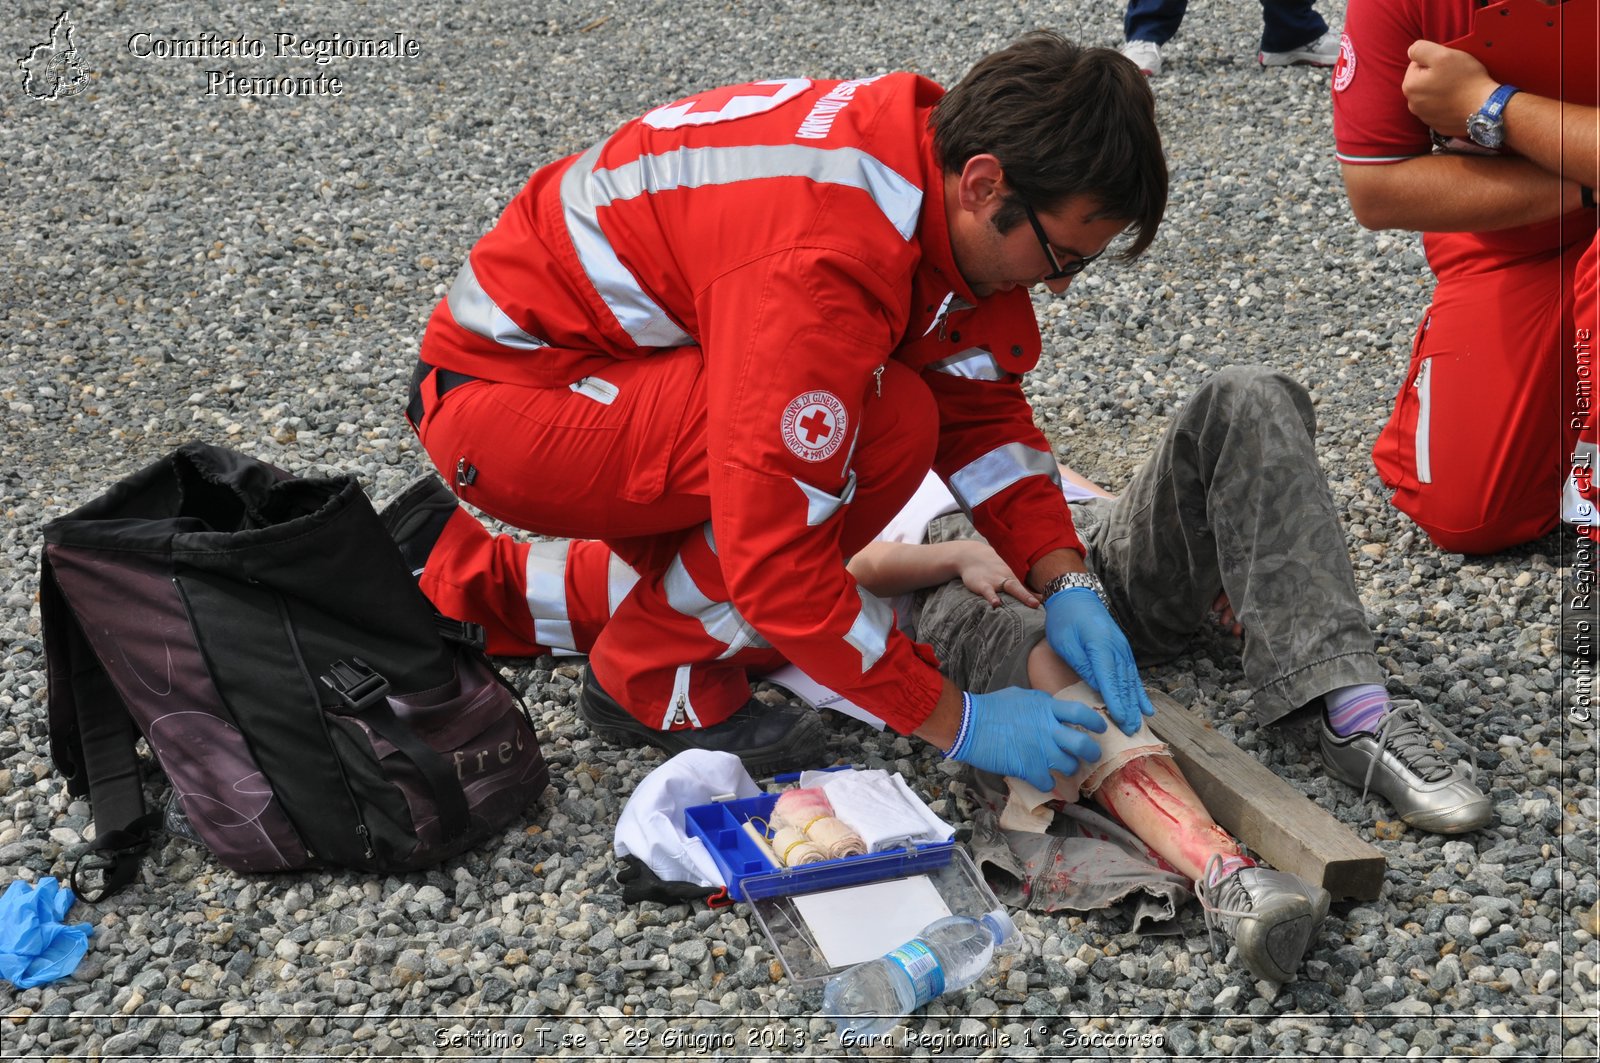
(1275, 820)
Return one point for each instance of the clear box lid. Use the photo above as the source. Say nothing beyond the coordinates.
(817, 928)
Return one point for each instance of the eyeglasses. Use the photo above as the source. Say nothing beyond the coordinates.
(1062, 271)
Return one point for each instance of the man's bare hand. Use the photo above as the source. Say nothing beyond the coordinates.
(1444, 87)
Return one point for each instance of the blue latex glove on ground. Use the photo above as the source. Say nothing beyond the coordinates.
(1084, 634)
(1024, 733)
(35, 945)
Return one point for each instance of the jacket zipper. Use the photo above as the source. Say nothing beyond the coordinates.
(679, 704)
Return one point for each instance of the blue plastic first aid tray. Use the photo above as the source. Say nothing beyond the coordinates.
(751, 875)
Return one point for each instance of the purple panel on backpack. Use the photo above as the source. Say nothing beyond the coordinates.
(157, 667)
(474, 725)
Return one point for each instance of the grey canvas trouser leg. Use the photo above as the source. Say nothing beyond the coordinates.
(1233, 499)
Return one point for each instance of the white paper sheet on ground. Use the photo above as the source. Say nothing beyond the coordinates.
(818, 696)
(861, 923)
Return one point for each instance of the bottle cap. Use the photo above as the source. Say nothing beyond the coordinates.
(1000, 925)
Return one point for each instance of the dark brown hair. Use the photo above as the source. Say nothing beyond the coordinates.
(1063, 120)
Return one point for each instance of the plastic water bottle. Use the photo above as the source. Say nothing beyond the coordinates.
(949, 954)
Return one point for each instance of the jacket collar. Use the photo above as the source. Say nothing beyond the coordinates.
(933, 229)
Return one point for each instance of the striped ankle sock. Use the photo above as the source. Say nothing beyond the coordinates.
(1225, 865)
(1357, 708)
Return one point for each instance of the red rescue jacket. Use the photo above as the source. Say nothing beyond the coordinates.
(795, 231)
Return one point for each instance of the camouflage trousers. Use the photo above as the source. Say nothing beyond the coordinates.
(1232, 500)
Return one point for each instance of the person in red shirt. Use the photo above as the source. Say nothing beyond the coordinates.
(729, 340)
(1442, 86)
(1482, 433)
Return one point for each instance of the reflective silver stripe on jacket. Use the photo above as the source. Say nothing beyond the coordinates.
(547, 596)
(870, 632)
(820, 505)
(620, 581)
(981, 480)
(1424, 433)
(476, 312)
(721, 620)
(585, 189)
(974, 363)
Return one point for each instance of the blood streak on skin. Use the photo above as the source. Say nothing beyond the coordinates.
(1136, 778)
(1196, 843)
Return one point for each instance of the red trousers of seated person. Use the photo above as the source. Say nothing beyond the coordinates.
(655, 619)
(1482, 433)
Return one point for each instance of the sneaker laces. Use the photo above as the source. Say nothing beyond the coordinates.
(1405, 733)
(1222, 900)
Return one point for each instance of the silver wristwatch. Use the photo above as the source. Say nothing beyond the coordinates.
(1486, 127)
(1077, 579)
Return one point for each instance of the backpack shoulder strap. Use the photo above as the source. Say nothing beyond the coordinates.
(92, 737)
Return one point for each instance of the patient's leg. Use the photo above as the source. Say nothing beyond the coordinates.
(1150, 795)
(1272, 916)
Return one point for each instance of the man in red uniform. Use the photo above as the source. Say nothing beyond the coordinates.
(1441, 87)
(1478, 444)
(729, 339)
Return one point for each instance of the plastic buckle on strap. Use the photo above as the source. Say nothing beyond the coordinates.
(115, 859)
(462, 632)
(358, 686)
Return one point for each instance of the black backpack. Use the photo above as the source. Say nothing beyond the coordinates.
(305, 701)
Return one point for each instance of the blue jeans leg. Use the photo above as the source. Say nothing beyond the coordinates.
(1289, 24)
(1153, 20)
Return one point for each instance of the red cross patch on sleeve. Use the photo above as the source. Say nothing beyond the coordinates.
(813, 425)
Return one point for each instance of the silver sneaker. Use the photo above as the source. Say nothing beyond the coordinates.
(1407, 763)
(1271, 916)
(1324, 51)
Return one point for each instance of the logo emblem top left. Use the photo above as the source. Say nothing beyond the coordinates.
(54, 68)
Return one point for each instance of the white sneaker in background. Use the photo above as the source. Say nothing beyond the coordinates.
(1324, 51)
(1147, 55)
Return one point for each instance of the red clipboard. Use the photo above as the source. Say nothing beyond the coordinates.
(1543, 49)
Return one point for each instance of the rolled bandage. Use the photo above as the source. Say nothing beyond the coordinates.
(799, 807)
(795, 849)
(807, 809)
(836, 838)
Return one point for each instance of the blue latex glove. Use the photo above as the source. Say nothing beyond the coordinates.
(1083, 633)
(1024, 733)
(35, 946)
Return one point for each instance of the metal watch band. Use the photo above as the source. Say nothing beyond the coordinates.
(1078, 579)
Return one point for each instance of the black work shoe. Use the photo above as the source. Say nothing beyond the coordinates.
(767, 738)
(416, 519)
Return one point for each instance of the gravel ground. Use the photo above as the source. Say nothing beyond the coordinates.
(257, 272)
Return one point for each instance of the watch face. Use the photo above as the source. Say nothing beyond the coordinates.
(1486, 131)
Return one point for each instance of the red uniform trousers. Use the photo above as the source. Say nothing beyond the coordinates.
(623, 460)
(1481, 434)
